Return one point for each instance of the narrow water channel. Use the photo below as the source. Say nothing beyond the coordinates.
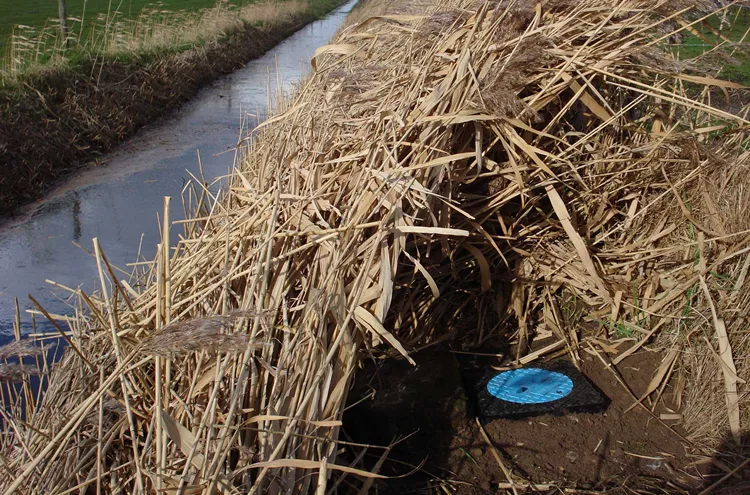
(118, 201)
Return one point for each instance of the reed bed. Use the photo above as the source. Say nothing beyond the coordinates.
(541, 168)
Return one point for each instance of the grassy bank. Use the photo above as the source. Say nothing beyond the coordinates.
(125, 33)
(36, 15)
(60, 112)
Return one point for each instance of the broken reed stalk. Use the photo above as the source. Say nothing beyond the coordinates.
(529, 167)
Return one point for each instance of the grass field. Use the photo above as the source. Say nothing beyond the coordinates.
(37, 13)
(703, 43)
(137, 28)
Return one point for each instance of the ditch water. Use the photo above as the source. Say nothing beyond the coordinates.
(118, 201)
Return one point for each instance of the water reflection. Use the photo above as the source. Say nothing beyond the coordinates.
(76, 217)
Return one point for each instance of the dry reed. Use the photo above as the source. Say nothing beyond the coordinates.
(522, 153)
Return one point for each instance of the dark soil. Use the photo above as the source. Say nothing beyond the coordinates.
(584, 450)
(53, 123)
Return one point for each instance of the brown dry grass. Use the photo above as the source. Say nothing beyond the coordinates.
(446, 150)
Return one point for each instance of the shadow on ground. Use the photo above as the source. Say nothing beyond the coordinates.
(420, 408)
(729, 470)
(439, 447)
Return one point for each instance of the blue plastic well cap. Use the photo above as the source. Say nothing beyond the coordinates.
(530, 386)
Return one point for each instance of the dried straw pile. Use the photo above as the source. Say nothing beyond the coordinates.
(547, 158)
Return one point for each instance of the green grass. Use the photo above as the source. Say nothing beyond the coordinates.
(321, 8)
(140, 30)
(619, 328)
(694, 47)
(38, 13)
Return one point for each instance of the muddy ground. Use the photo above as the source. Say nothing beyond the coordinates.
(446, 453)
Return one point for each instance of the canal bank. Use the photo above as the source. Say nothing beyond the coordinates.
(58, 117)
(117, 201)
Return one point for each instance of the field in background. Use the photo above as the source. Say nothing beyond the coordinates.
(712, 41)
(39, 13)
(151, 31)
